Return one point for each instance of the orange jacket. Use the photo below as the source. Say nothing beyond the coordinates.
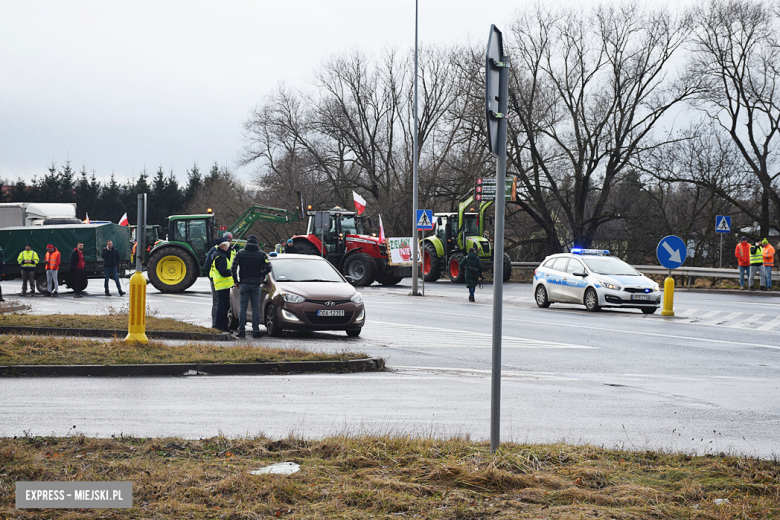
(52, 260)
(769, 255)
(743, 254)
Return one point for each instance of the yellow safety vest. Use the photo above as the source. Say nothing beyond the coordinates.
(28, 258)
(757, 258)
(222, 282)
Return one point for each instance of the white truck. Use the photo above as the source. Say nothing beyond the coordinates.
(37, 213)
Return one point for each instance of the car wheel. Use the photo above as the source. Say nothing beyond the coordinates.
(649, 310)
(541, 297)
(232, 320)
(354, 333)
(591, 300)
(272, 321)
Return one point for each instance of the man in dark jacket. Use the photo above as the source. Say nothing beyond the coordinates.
(110, 266)
(77, 268)
(250, 267)
(222, 277)
(290, 247)
(472, 268)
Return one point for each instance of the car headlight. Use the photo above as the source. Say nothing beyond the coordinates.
(656, 288)
(609, 285)
(357, 298)
(293, 298)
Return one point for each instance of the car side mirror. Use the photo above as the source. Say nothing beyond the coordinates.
(349, 279)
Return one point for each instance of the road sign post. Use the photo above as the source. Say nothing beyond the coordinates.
(722, 225)
(496, 103)
(424, 222)
(671, 253)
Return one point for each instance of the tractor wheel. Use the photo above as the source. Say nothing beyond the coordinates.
(304, 247)
(172, 270)
(388, 280)
(507, 268)
(431, 263)
(456, 275)
(70, 283)
(361, 268)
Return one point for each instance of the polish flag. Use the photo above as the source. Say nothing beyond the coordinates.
(381, 230)
(123, 221)
(87, 220)
(360, 203)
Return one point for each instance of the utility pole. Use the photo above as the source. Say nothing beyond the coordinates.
(415, 242)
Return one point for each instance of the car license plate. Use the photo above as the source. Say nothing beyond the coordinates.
(640, 296)
(328, 312)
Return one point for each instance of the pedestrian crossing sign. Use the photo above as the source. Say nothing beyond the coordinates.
(722, 224)
(424, 219)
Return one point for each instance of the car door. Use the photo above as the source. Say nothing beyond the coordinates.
(573, 287)
(553, 278)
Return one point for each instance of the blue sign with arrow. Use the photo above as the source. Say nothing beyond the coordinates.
(671, 252)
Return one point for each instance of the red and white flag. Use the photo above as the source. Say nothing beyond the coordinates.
(360, 203)
(87, 220)
(381, 229)
(123, 221)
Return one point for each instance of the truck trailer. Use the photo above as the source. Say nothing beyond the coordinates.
(65, 238)
(37, 213)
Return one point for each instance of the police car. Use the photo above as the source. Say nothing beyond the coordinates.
(593, 278)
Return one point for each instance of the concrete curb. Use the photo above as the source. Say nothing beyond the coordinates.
(103, 333)
(773, 293)
(192, 369)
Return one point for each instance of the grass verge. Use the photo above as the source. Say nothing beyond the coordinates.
(392, 477)
(103, 321)
(52, 350)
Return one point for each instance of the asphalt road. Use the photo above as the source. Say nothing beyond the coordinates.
(704, 381)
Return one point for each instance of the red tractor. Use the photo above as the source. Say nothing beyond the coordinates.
(343, 241)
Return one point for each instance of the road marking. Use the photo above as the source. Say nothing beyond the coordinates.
(724, 319)
(770, 325)
(748, 321)
(686, 312)
(435, 337)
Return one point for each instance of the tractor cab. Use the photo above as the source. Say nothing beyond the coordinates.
(196, 231)
(332, 235)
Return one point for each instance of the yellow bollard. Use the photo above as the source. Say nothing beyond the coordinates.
(136, 328)
(668, 302)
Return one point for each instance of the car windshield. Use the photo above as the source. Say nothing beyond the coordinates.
(304, 270)
(609, 266)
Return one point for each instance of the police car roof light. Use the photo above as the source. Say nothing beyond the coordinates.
(272, 253)
(580, 251)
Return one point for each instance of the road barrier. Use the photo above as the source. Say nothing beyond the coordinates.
(691, 272)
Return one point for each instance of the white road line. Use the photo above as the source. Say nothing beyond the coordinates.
(707, 315)
(724, 319)
(686, 313)
(768, 326)
(748, 321)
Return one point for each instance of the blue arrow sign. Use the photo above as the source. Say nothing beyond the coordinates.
(722, 224)
(671, 252)
(424, 219)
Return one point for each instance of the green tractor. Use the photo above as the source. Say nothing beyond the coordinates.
(175, 263)
(453, 235)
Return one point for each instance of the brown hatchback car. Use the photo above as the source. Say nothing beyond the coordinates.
(305, 292)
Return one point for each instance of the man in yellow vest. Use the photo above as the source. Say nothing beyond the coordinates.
(769, 261)
(27, 261)
(756, 265)
(222, 276)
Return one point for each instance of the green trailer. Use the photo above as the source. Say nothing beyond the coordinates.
(65, 237)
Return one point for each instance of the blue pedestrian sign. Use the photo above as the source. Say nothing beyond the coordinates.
(424, 219)
(722, 224)
(671, 252)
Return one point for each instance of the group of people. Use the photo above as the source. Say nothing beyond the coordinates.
(245, 269)
(757, 258)
(28, 261)
(285, 246)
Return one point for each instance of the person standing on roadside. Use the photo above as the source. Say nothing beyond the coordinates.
(756, 265)
(77, 268)
(743, 261)
(2, 271)
(110, 265)
(222, 276)
(769, 261)
(279, 249)
(27, 261)
(52, 261)
(290, 247)
(210, 256)
(249, 268)
(472, 268)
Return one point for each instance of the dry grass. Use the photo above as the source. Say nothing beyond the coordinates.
(391, 477)
(112, 321)
(52, 350)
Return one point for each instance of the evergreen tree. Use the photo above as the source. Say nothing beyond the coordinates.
(110, 206)
(66, 184)
(213, 176)
(157, 207)
(194, 181)
(172, 195)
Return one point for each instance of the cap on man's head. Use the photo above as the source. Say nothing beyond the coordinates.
(49, 246)
(251, 238)
(224, 240)
(228, 235)
(765, 241)
(289, 241)
(743, 239)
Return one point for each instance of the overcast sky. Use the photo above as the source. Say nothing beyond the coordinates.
(122, 86)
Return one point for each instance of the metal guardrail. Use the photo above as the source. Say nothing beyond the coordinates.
(695, 272)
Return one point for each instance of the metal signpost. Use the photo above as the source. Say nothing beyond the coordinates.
(671, 253)
(424, 222)
(415, 160)
(496, 94)
(722, 225)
